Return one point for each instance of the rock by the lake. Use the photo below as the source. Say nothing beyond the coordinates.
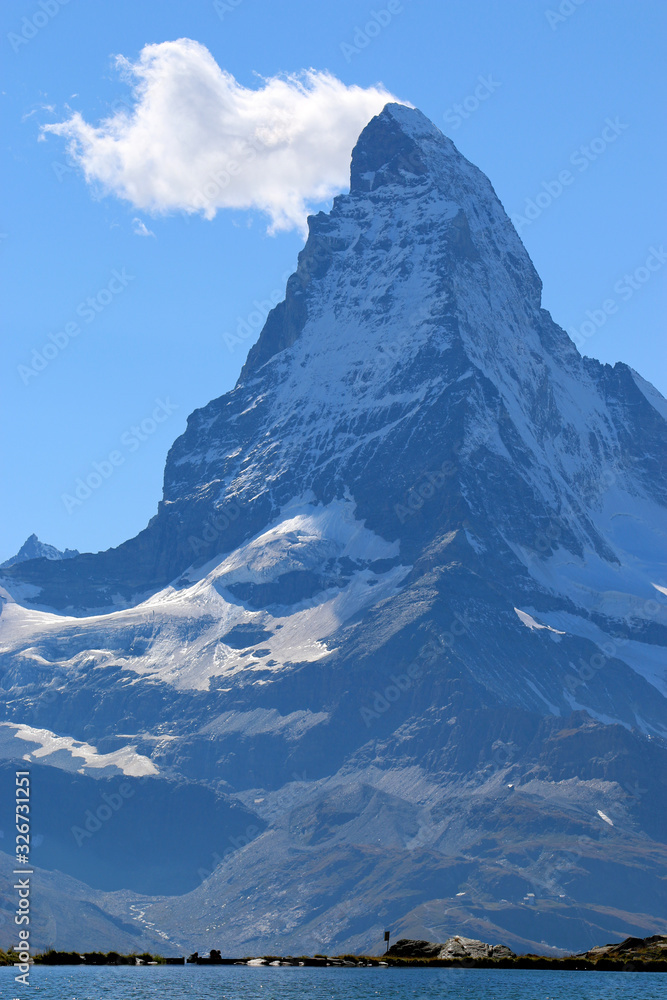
(454, 947)
(462, 947)
(648, 948)
(408, 948)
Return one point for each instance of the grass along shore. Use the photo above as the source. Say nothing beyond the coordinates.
(651, 961)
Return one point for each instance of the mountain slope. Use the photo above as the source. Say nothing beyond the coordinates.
(404, 591)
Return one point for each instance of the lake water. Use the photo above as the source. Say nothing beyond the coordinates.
(243, 983)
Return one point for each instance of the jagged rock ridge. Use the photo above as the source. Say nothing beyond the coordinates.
(32, 548)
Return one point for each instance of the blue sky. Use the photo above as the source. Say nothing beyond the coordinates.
(541, 88)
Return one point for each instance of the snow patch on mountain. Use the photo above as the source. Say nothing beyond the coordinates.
(530, 622)
(198, 629)
(304, 537)
(70, 754)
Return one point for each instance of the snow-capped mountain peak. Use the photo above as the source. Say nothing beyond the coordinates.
(409, 566)
(32, 548)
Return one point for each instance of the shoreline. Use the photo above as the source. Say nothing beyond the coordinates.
(524, 962)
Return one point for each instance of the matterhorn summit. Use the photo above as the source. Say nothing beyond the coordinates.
(395, 634)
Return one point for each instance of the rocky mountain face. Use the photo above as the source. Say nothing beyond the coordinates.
(32, 548)
(391, 649)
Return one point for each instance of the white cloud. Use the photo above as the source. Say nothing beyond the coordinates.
(139, 228)
(196, 140)
(41, 107)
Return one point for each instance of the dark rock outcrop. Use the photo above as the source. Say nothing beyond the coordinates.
(454, 947)
(653, 948)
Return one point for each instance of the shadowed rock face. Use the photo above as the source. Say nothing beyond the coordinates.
(400, 608)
